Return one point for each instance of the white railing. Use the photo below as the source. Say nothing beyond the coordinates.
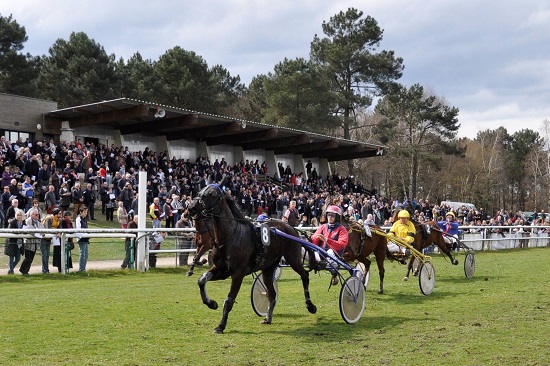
(485, 237)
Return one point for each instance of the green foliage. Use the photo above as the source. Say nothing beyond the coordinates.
(357, 71)
(416, 126)
(78, 71)
(298, 96)
(130, 318)
(137, 79)
(18, 72)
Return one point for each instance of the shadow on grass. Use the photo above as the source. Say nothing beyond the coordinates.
(97, 274)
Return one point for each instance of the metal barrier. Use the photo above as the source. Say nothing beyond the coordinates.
(484, 237)
(133, 234)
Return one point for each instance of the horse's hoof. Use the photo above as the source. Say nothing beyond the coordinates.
(405, 278)
(311, 307)
(212, 305)
(218, 330)
(189, 274)
(265, 321)
(455, 262)
(380, 292)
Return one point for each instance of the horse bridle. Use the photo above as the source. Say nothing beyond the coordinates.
(210, 210)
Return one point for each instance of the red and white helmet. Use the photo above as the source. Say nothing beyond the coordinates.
(335, 210)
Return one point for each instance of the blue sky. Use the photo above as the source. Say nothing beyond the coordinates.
(490, 59)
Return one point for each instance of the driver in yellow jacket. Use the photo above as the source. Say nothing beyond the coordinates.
(404, 229)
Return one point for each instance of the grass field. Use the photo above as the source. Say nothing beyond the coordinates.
(500, 317)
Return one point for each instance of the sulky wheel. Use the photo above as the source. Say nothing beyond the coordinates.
(260, 301)
(426, 278)
(352, 300)
(469, 265)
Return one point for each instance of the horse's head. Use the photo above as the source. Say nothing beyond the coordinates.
(353, 249)
(207, 202)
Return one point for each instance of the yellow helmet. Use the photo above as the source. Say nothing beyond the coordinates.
(404, 214)
(451, 213)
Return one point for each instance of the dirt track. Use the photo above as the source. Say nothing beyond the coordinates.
(36, 268)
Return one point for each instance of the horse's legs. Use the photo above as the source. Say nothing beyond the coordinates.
(442, 244)
(236, 282)
(381, 271)
(267, 276)
(212, 275)
(196, 260)
(295, 263)
(409, 268)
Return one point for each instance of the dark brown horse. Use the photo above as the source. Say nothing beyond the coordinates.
(240, 251)
(361, 246)
(204, 242)
(429, 233)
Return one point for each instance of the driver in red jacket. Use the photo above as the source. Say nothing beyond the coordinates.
(331, 236)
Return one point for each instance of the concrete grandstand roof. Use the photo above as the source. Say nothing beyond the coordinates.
(136, 116)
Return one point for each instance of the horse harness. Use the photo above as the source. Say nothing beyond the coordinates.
(214, 211)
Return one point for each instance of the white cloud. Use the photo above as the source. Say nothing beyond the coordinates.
(489, 59)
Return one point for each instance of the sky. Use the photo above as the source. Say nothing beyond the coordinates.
(488, 58)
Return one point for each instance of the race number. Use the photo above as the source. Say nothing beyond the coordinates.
(265, 233)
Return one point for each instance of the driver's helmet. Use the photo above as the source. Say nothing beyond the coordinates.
(404, 214)
(452, 214)
(261, 217)
(335, 210)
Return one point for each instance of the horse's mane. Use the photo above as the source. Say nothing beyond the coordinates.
(235, 210)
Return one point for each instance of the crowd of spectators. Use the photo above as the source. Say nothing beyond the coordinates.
(75, 174)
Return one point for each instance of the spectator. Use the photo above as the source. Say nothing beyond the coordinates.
(110, 206)
(184, 239)
(65, 197)
(49, 199)
(122, 215)
(155, 213)
(89, 199)
(83, 242)
(52, 221)
(77, 198)
(31, 244)
(14, 246)
(291, 215)
(66, 223)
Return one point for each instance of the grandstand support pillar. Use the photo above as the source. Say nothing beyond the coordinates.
(299, 166)
(142, 209)
(162, 145)
(203, 149)
(324, 168)
(271, 163)
(119, 139)
(67, 133)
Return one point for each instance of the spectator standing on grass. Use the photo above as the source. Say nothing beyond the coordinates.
(66, 223)
(122, 215)
(133, 224)
(15, 245)
(110, 205)
(52, 221)
(49, 199)
(31, 244)
(78, 198)
(89, 200)
(168, 213)
(185, 239)
(65, 197)
(155, 212)
(81, 222)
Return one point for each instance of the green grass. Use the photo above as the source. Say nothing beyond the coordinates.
(500, 317)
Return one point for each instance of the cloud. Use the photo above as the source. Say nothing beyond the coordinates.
(489, 59)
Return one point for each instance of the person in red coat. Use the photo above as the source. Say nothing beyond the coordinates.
(332, 236)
